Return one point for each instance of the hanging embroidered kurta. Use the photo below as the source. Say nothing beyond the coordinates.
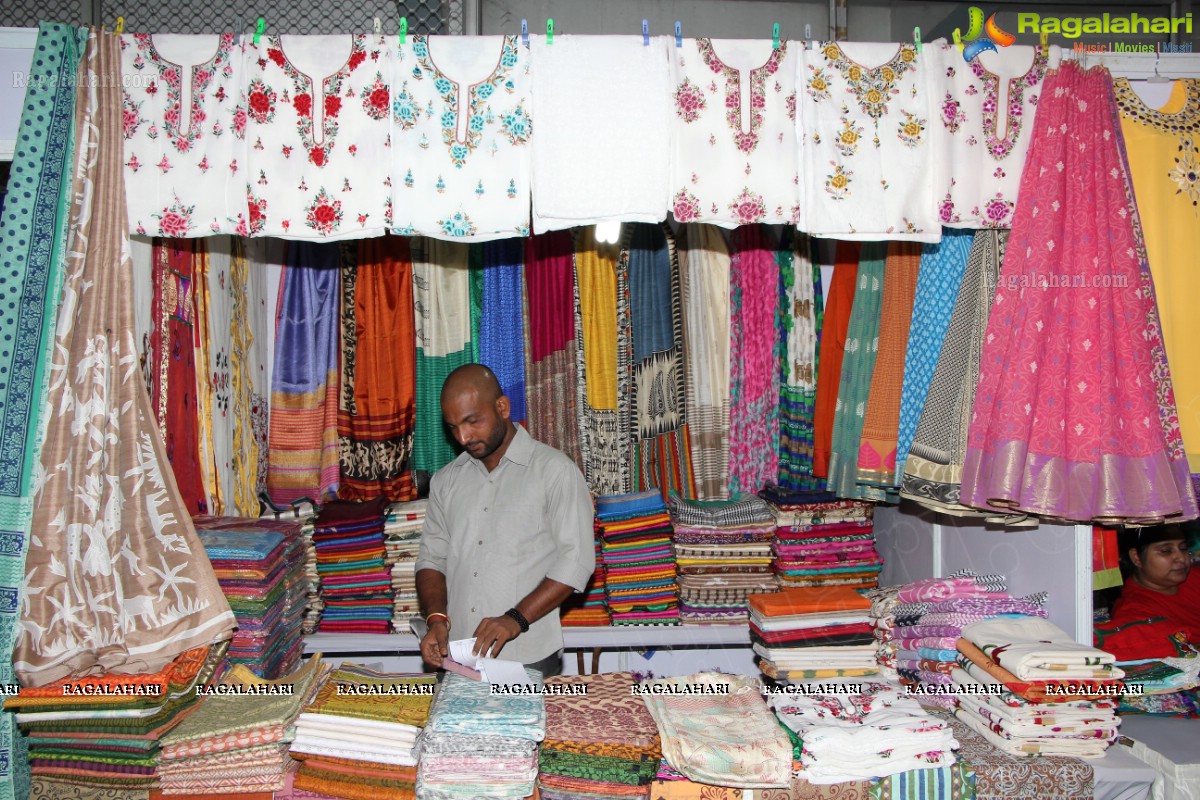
(501, 339)
(461, 128)
(799, 324)
(1163, 146)
(184, 119)
(734, 156)
(704, 286)
(865, 124)
(377, 408)
(1064, 422)
(317, 134)
(986, 113)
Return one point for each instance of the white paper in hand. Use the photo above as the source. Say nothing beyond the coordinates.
(493, 670)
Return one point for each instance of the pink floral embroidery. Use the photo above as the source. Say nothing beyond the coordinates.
(175, 220)
(685, 206)
(376, 99)
(239, 122)
(689, 101)
(746, 141)
(952, 114)
(131, 115)
(258, 213)
(201, 78)
(324, 213)
(996, 212)
(790, 104)
(303, 87)
(748, 208)
(946, 210)
(998, 147)
(260, 102)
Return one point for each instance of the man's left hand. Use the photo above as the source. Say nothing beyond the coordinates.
(493, 633)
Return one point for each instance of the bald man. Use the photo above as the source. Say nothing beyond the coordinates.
(508, 533)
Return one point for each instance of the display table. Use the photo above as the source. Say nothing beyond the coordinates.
(1121, 775)
(1171, 747)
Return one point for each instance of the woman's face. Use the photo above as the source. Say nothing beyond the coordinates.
(1165, 565)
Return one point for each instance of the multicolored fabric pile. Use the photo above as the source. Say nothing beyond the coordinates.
(358, 738)
(259, 565)
(822, 541)
(481, 744)
(356, 586)
(639, 564)
(820, 632)
(237, 743)
(402, 541)
(599, 743)
(723, 553)
(304, 513)
(588, 609)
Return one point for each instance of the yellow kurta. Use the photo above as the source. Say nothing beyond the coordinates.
(1164, 159)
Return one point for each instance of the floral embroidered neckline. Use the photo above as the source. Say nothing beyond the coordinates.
(872, 86)
(331, 91)
(1015, 113)
(171, 74)
(745, 141)
(1185, 120)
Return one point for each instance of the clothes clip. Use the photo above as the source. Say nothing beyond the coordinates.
(238, 27)
(403, 31)
(550, 30)
(958, 42)
(525, 32)
(645, 33)
(377, 26)
(260, 28)
(119, 28)
(917, 38)
(775, 36)
(678, 34)
(1044, 39)
(808, 42)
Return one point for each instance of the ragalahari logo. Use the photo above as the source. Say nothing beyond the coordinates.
(991, 33)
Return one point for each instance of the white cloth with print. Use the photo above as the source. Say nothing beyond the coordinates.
(461, 116)
(1033, 648)
(733, 132)
(185, 149)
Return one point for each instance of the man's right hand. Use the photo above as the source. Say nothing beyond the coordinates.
(435, 644)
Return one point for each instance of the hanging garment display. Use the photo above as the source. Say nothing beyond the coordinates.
(986, 113)
(116, 580)
(501, 339)
(317, 132)
(733, 133)
(1163, 147)
(213, 436)
(867, 141)
(584, 169)
(1064, 422)
(799, 331)
(377, 401)
(304, 386)
(461, 127)
(660, 457)
(184, 120)
(551, 338)
(248, 387)
(837, 312)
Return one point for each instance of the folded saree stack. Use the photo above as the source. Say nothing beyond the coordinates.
(820, 632)
(588, 609)
(480, 743)
(237, 741)
(723, 553)
(821, 540)
(259, 565)
(600, 743)
(639, 563)
(402, 540)
(303, 512)
(358, 738)
(356, 586)
(104, 732)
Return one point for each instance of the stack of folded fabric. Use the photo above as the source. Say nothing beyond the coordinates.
(600, 742)
(402, 543)
(883, 621)
(356, 586)
(237, 743)
(639, 563)
(871, 730)
(302, 512)
(723, 552)
(822, 632)
(358, 738)
(481, 744)
(1060, 696)
(706, 722)
(260, 566)
(822, 541)
(104, 732)
(588, 609)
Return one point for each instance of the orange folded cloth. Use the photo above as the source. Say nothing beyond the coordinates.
(179, 674)
(808, 600)
(1039, 691)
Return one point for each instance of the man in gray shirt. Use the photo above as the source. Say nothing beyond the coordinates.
(508, 533)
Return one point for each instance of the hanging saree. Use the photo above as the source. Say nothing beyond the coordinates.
(1064, 423)
(754, 373)
(550, 334)
(118, 581)
(799, 331)
(838, 307)
(377, 401)
(649, 268)
(602, 366)
(38, 199)
(858, 366)
(246, 398)
(304, 384)
(213, 329)
(501, 337)
(881, 421)
(447, 298)
(704, 288)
